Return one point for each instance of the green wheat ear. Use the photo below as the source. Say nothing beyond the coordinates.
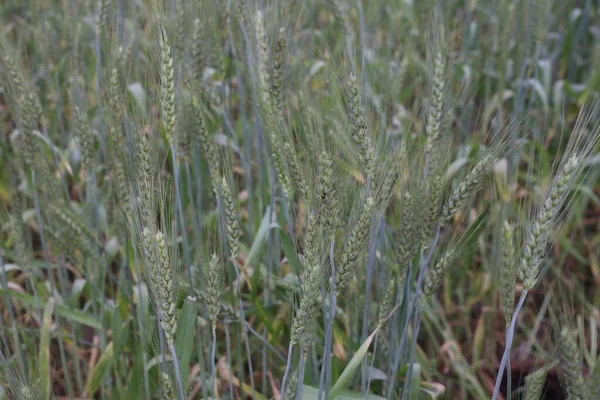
(534, 384)
(231, 218)
(166, 289)
(436, 274)
(355, 247)
(167, 86)
(358, 129)
(508, 272)
(571, 358)
(167, 386)
(310, 281)
(213, 291)
(537, 243)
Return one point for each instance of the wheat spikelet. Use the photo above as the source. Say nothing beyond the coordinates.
(388, 300)
(271, 127)
(86, 140)
(433, 193)
(167, 86)
(296, 171)
(593, 381)
(198, 56)
(355, 246)
(534, 384)
(407, 240)
(206, 141)
(311, 280)
(465, 188)
(537, 243)
(435, 116)
(508, 272)
(327, 195)
(262, 53)
(231, 218)
(150, 257)
(213, 291)
(169, 392)
(81, 231)
(166, 290)
(145, 169)
(115, 97)
(28, 112)
(571, 358)
(358, 129)
(436, 274)
(102, 9)
(277, 81)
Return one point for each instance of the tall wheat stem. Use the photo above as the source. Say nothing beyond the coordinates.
(423, 264)
(325, 378)
(510, 334)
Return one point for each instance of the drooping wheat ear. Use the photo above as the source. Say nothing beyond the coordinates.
(465, 188)
(436, 274)
(571, 358)
(213, 291)
(310, 282)
(278, 66)
(537, 243)
(435, 114)
(198, 56)
(167, 86)
(534, 384)
(328, 202)
(593, 381)
(231, 217)
(206, 142)
(85, 138)
(408, 238)
(433, 193)
(355, 247)
(296, 171)
(166, 290)
(508, 272)
(358, 129)
(169, 392)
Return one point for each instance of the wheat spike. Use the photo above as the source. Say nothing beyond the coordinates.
(537, 243)
(355, 246)
(167, 86)
(508, 272)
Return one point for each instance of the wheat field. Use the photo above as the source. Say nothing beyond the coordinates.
(299, 199)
